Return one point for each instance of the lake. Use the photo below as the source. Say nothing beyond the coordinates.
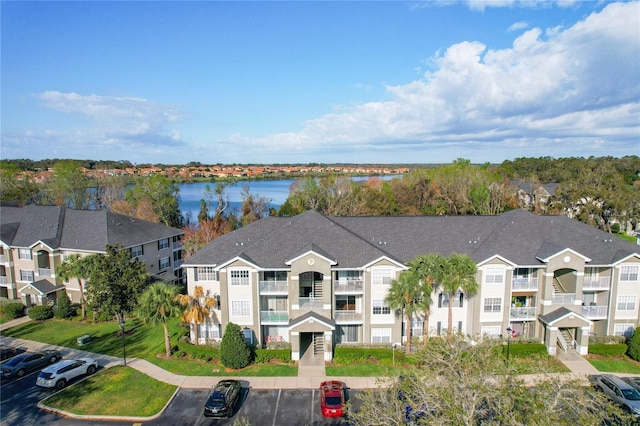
(276, 191)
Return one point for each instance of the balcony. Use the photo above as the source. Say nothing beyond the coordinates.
(343, 317)
(177, 245)
(522, 314)
(310, 302)
(596, 284)
(177, 263)
(563, 299)
(44, 272)
(3, 279)
(274, 317)
(594, 312)
(348, 287)
(274, 287)
(524, 284)
(2, 258)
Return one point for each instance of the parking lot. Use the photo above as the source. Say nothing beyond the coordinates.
(261, 407)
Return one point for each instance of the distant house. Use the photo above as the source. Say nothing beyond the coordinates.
(35, 240)
(534, 196)
(316, 281)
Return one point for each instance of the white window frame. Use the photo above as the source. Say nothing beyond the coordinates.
(163, 244)
(209, 330)
(626, 303)
(206, 273)
(237, 277)
(25, 274)
(164, 262)
(494, 275)
(25, 254)
(381, 305)
(494, 305)
(417, 328)
(624, 329)
(240, 308)
(629, 273)
(346, 333)
(380, 335)
(381, 276)
(136, 251)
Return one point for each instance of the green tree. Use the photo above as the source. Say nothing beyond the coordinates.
(76, 266)
(429, 268)
(234, 350)
(16, 187)
(406, 294)
(161, 195)
(459, 273)
(633, 345)
(63, 306)
(197, 308)
(68, 186)
(157, 304)
(115, 282)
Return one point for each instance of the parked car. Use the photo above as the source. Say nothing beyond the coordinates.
(19, 365)
(7, 352)
(57, 375)
(633, 381)
(223, 398)
(332, 398)
(620, 391)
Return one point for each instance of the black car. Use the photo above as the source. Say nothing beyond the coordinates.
(7, 352)
(223, 399)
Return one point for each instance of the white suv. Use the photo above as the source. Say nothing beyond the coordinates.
(57, 375)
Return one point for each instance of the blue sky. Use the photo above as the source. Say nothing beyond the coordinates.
(326, 82)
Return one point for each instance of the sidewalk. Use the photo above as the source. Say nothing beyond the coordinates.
(580, 368)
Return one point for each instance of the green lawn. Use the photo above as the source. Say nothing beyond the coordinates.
(615, 365)
(117, 391)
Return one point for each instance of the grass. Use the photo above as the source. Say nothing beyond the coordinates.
(620, 364)
(117, 391)
(364, 370)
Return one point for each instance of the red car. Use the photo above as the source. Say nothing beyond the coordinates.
(332, 398)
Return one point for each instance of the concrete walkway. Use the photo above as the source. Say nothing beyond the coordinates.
(308, 377)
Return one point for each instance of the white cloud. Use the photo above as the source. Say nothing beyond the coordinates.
(518, 26)
(571, 87)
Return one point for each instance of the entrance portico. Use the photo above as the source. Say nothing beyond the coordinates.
(571, 323)
(311, 336)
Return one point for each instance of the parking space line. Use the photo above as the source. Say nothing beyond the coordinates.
(275, 414)
(313, 397)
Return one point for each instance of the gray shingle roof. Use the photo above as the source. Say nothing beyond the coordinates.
(518, 236)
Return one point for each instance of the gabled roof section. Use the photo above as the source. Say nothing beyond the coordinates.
(553, 250)
(8, 232)
(555, 317)
(42, 287)
(313, 249)
(32, 224)
(312, 316)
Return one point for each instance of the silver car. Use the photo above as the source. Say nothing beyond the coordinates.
(59, 374)
(620, 391)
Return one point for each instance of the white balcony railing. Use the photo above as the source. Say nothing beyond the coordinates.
(274, 287)
(594, 312)
(310, 302)
(279, 317)
(596, 284)
(3, 279)
(44, 272)
(563, 299)
(348, 316)
(524, 283)
(523, 313)
(349, 286)
(2, 260)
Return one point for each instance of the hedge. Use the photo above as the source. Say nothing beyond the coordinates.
(263, 356)
(525, 350)
(12, 310)
(40, 313)
(354, 355)
(608, 350)
(203, 352)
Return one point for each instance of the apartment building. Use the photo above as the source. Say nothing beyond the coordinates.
(316, 281)
(35, 240)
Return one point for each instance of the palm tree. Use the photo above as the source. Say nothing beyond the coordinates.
(429, 269)
(406, 294)
(157, 304)
(197, 310)
(76, 266)
(459, 274)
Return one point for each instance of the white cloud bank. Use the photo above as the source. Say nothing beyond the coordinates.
(556, 92)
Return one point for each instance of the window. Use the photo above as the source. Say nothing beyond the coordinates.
(209, 330)
(492, 304)
(206, 273)
(26, 275)
(240, 277)
(380, 335)
(163, 243)
(349, 275)
(629, 273)
(248, 335)
(164, 263)
(177, 255)
(345, 303)
(347, 333)
(24, 254)
(137, 251)
(240, 308)
(275, 275)
(626, 303)
(623, 329)
(494, 275)
(417, 328)
(443, 300)
(382, 276)
(380, 308)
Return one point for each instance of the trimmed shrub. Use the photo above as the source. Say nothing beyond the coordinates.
(13, 310)
(633, 345)
(63, 308)
(40, 313)
(234, 351)
(345, 355)
(602, 340)
(263, 356)
(202, 353)
(615, 349)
